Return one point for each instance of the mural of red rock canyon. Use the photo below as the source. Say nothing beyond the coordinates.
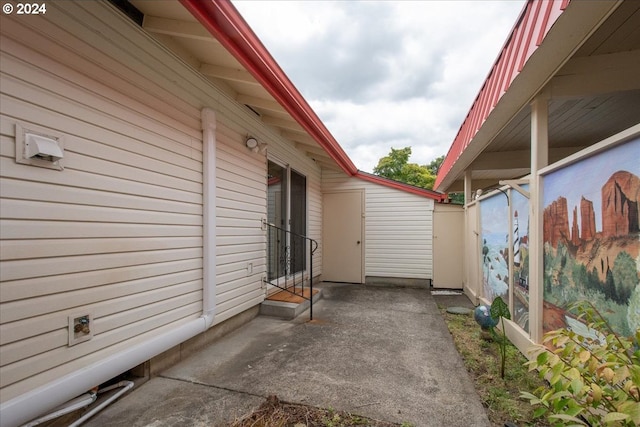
(592, 238)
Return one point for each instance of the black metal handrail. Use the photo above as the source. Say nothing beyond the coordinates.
(286, 260)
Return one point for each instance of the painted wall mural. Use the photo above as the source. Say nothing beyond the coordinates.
(520, 282)
(494, 226)
(592, 238)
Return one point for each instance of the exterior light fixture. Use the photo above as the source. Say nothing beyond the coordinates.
(252, 144)
(255, 146)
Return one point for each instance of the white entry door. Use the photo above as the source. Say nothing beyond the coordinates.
(343, 237)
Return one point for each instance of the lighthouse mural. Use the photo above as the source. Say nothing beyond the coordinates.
(516, 241)
(520, 282)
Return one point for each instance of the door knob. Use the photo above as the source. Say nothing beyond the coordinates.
(358, 241)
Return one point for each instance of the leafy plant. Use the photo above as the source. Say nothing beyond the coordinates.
(481, 358)
(500, 311)
(594, 374)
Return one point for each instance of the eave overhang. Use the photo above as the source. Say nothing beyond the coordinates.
(221, 19)
(544, 38)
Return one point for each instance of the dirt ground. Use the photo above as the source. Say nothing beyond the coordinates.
(274, 413)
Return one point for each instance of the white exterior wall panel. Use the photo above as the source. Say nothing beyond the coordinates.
(398, 228)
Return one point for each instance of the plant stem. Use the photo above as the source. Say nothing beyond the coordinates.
(503, 348)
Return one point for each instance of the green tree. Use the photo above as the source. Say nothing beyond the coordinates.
(633, 312)
(391, 165)
(625, 276)
(434, 166)
(580, 275)
(610, 287)
(594, 280)
(396, 166)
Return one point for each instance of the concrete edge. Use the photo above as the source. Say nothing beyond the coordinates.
(401, 282)
(286, 310)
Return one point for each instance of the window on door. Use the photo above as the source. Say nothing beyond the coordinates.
(286, 209)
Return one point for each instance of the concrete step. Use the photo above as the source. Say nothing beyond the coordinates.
(285, 305)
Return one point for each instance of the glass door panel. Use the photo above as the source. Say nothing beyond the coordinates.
(276, 215)
(298, 221)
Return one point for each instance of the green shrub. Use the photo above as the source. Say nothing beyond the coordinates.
(594, 377)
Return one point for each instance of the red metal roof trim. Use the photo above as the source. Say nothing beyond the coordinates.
(534, 21)
(224, 22)
(401, 186)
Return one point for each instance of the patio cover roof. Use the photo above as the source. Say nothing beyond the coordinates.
(213, 38)
(584, 56)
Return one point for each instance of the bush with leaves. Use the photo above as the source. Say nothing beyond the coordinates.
(594, 375)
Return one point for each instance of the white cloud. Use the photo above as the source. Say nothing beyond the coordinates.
(385, 74)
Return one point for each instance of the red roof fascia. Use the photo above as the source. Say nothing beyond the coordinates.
(545, 21)
(518, 35)
(514, 54)
(528, 43)
(224, 22)
(401, 186)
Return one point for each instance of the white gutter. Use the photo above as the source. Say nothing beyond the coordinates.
(28, 406)
(45, 398)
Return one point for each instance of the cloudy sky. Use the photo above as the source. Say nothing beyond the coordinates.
(383, 74)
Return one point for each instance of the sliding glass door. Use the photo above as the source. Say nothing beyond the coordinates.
(287, 210)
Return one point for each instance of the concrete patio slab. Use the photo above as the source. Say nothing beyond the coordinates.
(383, 353)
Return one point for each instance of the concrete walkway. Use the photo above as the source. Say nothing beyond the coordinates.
(383, 353)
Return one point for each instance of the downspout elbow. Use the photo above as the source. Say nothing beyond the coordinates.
(208, 320)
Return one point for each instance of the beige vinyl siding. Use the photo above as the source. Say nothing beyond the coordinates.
(240, 206)
(398, 228)
(119, 232)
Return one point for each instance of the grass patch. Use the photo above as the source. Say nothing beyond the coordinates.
(481, 357)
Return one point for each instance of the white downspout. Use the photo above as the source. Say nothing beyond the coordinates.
(209, 214)
(27, 406)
